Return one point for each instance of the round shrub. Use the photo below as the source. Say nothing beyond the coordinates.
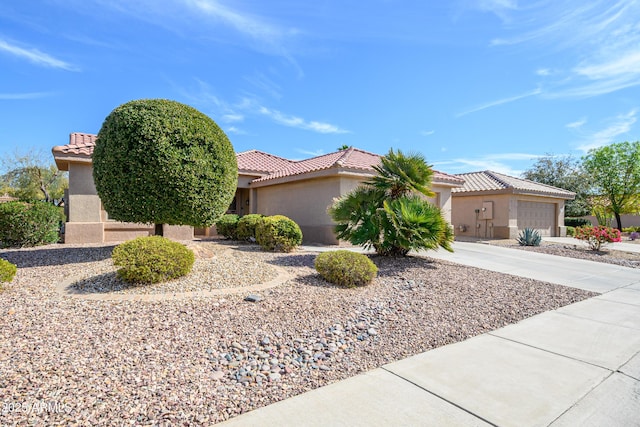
(29, 224)
(247, 226)
(278, 233)
(152, 259)
(571, 231)
(162, 162)
(346, 268)
(227, 226)
(7, 271)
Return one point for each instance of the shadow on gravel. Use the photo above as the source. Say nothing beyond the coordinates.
(294, 260)
(42, 257)
(99, 284)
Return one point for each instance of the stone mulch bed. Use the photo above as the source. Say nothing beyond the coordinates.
(67, 360)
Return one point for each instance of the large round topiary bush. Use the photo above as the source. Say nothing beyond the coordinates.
(163, 162)
(278, 233)
(247, 226)
(346, 268)
(29, 224)
(152, 259)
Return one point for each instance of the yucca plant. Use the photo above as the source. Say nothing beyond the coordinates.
(529, 237)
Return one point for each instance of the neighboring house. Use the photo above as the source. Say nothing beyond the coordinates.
(267, 184)
(493, 205)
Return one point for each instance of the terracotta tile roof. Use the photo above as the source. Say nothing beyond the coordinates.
(488, 181)
(272, 167)
(259, 161)
(351, 158)
(80, 144)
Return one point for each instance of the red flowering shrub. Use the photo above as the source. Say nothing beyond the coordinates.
(598, 235)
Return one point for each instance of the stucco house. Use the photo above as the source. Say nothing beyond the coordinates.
(493, 205)
(267, 184)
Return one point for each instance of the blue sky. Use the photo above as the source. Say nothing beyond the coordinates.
(471, 84)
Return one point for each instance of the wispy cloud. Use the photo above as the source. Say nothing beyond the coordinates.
(427, 132)
(499, 102)
(312, 153)
(577, 124)
(298, 122)
(600, 40)
(35, 56)
(499, 162)
(235, 130)
(27, 95)
(616, 126)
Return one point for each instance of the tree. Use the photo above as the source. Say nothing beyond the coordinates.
(567, 173)
(343, 147)
(163, 162)
(29, 177)
(615, 171)
(389, 212)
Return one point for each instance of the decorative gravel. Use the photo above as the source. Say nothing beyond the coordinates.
(605, 255)
(73, 361)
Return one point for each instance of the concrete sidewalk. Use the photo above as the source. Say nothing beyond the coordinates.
(575, 366)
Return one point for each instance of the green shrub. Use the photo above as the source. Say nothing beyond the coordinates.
(29, 224)
(631, 229)
(247, 226)
(346, 268)
(7, 271)
(571, 231)
(227, 226)
(152, 259)
(529, 237)
(576, 222)
(278, 233)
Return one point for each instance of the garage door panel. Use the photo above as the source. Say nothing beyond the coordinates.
(538, 215)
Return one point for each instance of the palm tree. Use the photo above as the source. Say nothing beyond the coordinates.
(389, 212)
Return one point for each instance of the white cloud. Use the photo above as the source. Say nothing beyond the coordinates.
(543, 72)
(28, 95)
(312, 153)
(617, 126)
(500, 162)
(577, 124)
(427, 132)
(499, 102)
(35, 56)
(236, 131)
(232, 117)
(298, 122)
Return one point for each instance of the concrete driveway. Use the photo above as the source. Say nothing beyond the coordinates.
(575, 366)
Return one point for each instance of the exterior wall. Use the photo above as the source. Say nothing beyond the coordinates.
(306, 203)
(468, 223)
(504, 221)
(627, 220)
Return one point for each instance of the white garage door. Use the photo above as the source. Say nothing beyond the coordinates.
(541, 216)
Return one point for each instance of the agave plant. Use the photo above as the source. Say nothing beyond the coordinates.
(529, 237)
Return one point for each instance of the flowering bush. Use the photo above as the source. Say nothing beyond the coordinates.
(597, 236)
(634, 235)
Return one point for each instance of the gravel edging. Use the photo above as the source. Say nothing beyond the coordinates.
(202, 360)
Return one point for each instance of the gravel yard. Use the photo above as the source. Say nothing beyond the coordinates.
(87, 355)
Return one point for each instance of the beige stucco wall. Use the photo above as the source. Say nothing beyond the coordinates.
(504, 221)
(306, 203)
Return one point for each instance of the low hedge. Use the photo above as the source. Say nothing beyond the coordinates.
(345, 268)
(29, 224)
(278, 233)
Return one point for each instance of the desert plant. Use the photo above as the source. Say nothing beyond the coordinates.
(571, 231)
(278, 233)
(152, 259)
(247, 226)
(529, 237)
(29, 224)
(7, 271)
(345, 268)
(227, 226)
(163, 162)
(597, 236)
(387, 212)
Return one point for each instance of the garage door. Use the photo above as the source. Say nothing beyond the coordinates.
(541, 216)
